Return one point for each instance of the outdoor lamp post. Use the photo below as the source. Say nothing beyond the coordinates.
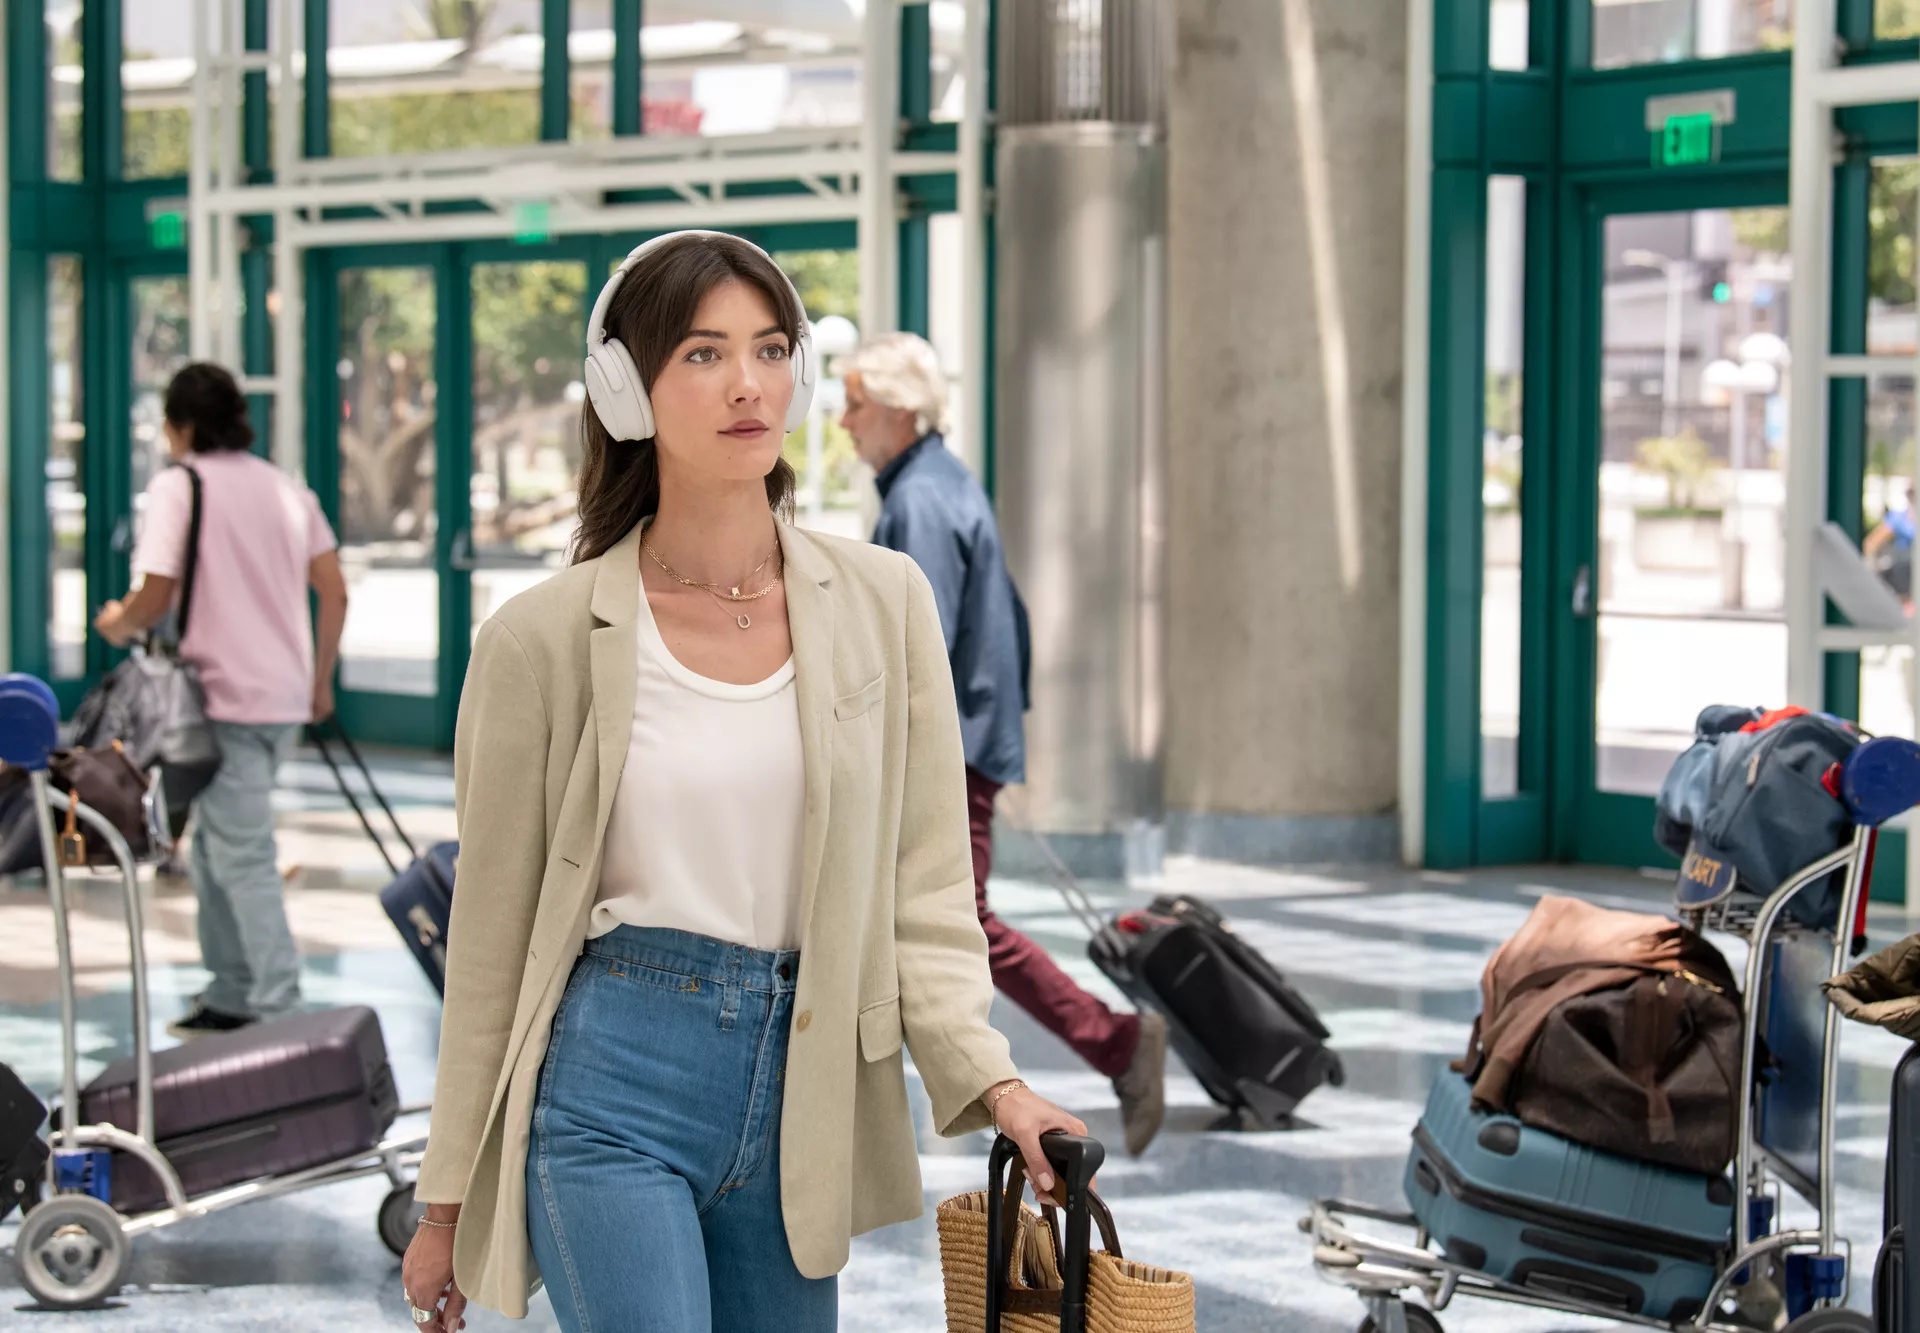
(1757, 372)
(1673, 269)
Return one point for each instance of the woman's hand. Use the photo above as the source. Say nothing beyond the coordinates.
(112, 626)
(427, 1273)
(1023, 1115)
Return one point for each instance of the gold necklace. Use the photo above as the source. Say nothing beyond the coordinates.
(733, 594)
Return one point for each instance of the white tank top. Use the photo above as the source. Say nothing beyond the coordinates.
(706, 827)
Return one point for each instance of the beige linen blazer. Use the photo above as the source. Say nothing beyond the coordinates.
(891, 946)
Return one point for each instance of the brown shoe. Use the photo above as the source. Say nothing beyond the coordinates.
(1143, 1087)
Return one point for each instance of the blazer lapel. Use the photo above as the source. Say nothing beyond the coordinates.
(810, 622)
(613, 666)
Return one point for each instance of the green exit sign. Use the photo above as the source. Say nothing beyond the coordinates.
(532, 221)
(168, 230)
(1688, 140)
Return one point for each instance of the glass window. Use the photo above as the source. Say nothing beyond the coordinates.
(160, 314)
(1692, 487)
(1502, 455)
(425, 76)
(590, 56)
(1507, 33)
(947, 18)
(1887, 511)
(1891, 208)
(156, 85)
(832, 481)
(528, 321)
(388, 523)
(1654, 32)
(65, 73)
(741, 73)
(1893, 19)
(66, 474)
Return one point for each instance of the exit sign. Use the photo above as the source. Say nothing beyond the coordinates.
(1688, 140)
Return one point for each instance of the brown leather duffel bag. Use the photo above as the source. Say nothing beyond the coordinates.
(1613, 1029)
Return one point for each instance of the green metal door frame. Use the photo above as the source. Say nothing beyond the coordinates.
(1589, 825)
(1578, 137)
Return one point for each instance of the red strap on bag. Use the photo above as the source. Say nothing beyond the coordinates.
(1773, 717)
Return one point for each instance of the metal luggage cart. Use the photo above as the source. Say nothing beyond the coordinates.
(72, 1249)
(1784, 1140)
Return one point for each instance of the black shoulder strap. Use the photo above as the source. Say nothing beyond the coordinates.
(193, 554)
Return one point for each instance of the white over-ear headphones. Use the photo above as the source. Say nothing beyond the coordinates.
(614, 385)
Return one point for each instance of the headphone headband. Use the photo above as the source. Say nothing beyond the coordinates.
(613, 379)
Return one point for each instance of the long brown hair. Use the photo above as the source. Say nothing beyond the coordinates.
(650, 314)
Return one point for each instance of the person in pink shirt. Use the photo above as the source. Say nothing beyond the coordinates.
(263, 543)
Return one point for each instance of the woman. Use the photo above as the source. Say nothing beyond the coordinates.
(262, 544)
(714, 866)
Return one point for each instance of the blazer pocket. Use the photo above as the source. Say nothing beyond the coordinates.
(861, 700)
(880, 1031)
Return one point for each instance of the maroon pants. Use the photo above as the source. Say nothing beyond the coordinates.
(1026, 974)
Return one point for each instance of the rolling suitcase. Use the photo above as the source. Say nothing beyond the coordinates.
(267, 1100)
(419, 899)
(1249, 1038)
(1551, 1215)
(1896, 1282)
(23, 1153)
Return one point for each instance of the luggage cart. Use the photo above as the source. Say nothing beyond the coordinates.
(1784, 1138)
(72, 1248)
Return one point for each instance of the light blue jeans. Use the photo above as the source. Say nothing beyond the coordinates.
(653, 1173)
(244, 937)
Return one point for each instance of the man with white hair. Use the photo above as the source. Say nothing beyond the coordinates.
(933, 510)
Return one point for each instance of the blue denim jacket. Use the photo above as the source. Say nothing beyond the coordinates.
(932, 509)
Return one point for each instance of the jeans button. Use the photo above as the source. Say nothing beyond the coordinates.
(786, 971)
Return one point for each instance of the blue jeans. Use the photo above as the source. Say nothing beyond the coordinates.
(244, 937)
(653, 1171)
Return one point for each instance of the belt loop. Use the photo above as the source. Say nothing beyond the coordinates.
(730, 988)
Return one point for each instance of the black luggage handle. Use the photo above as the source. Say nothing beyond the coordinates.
(1077, 1160)
(366, 775)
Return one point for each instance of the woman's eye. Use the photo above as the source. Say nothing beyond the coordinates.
(774, 352)
(702, 355)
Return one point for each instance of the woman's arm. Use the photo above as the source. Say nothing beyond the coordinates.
(499, 793)
(946, 989)
(120, 623)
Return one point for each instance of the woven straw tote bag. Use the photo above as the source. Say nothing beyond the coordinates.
(1036, 1280)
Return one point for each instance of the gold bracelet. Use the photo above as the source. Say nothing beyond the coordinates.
(429, 1222)
(993, 1107)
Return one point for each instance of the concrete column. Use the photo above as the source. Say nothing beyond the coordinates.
(1286, 215)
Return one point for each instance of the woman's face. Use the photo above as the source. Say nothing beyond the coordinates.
(720, 402)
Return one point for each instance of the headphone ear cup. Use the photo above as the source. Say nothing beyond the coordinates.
(802, 401)
(613, 386)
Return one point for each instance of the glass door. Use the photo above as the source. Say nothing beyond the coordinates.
(528, 322)
(384, 469)
(1674, 584)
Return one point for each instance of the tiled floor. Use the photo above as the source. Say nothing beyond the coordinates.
(1391, 958)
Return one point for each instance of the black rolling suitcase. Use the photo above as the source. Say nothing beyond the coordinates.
(23, 1153)
(267, 1100)
(419, 899)
(1896, 1280)
(1250, 1039)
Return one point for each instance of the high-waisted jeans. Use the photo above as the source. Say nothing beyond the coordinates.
(653, 1174)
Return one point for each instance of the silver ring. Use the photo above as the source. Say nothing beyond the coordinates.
(419, 1316)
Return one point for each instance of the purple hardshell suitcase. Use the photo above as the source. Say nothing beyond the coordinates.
(267, 1100)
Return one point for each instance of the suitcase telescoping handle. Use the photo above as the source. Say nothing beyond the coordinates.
(318, 732)
(1077, 1160)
